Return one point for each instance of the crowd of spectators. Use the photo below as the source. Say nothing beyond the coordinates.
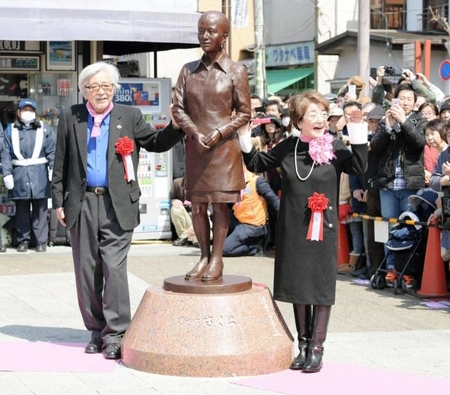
(409, 132)
(408, 129)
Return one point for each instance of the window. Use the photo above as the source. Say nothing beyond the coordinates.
(440, 8)
(387, 14)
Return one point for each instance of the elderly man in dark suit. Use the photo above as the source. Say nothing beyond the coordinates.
(96, 195)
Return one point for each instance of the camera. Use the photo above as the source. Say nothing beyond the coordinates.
(389, 70)
(261, 121)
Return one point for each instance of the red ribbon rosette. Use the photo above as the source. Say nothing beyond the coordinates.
(125, 147)
(318, 203)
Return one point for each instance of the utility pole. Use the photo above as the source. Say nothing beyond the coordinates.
(260, 51)
(364, 42)
(226, 9)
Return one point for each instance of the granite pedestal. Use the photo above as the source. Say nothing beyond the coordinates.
(191, 328)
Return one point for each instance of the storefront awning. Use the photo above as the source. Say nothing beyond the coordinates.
(168, 23)
(277, 80)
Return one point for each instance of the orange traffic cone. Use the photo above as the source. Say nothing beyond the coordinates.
(434, 283)
(343, 250)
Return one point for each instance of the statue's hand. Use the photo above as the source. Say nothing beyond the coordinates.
(212, 139)
(200, 139)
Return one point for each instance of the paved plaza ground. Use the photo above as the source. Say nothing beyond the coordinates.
(373, 329)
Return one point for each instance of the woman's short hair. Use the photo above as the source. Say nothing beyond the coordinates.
(438, 125)
(299, 103)
(433, 106)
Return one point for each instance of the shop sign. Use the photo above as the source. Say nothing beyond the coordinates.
(7, 45)
(290, 54)
(19, 63)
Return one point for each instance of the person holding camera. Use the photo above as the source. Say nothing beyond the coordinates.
(352, 90)
(382, 91)
(419, 87)
(439, 94)
(399, 144)
(383, 96)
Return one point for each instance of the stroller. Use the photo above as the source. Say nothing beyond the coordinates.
(407, 242)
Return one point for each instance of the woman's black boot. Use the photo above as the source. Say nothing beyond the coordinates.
(302, 315)
(320, 318)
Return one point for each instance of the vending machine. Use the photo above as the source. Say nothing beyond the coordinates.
(153, 97)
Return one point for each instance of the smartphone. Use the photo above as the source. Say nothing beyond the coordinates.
(260, 121)
(395, 102)
(352, 90)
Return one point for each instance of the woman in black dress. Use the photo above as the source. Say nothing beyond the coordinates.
(306, 235)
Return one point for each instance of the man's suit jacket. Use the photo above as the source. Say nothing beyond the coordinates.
(69, 174)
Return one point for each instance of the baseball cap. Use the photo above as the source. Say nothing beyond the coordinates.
(26, 102)
(335, 112)
(376, 113)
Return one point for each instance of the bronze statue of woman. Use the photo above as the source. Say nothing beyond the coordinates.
(211, 101)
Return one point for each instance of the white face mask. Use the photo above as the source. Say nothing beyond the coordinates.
(285, 121)
(27, 116)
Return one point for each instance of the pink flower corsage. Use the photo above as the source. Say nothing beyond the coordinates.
(317, 203)
(321, 149)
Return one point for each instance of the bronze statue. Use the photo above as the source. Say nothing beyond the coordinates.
(211, 101)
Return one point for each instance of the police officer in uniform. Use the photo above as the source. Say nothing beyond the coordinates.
(27, 162)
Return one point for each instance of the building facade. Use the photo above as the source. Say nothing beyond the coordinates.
(44, 45)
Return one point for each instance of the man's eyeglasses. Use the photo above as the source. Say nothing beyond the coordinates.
(314, 116)
(96, 87)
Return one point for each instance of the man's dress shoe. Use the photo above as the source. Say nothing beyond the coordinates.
(112, 351)
(94, 346)
(23, 247)
(41, 248)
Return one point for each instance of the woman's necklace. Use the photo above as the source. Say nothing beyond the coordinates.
(296, 167)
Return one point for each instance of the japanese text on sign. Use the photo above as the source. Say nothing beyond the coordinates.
(290, 54)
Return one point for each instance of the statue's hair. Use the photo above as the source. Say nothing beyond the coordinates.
(219, 17)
